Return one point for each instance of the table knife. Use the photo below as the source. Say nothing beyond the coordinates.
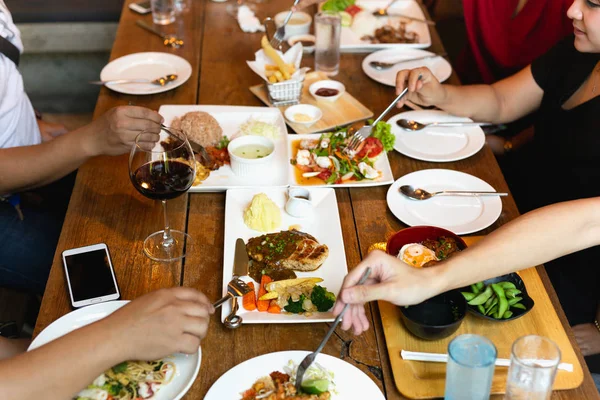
(240, 268)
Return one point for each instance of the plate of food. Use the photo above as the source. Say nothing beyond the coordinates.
(327, 378)
(167, 379)
(439, 66)
(440, 143)
(296, 264)
(214, 127)
(320, 160)
(363, 32)
(460, 215)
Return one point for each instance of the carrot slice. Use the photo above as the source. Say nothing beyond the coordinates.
(274, 308)
(263, 305)
(249, 299)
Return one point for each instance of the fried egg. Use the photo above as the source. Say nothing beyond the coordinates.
(416, 255)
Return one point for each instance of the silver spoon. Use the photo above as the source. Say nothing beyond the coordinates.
(383, 12)
(422, 194)
(410, 125)
(168, 40)
(162, 81)
(380, 65)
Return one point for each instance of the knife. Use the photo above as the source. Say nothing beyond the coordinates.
(240, 268)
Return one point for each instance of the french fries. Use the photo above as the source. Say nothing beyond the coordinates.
(280, 72)
(286, 287)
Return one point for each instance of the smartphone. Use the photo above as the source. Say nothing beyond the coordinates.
(90, 275)
(142, 7)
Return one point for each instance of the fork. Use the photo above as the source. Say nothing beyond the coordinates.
(235, 288)
(309, 359)
(206, 158)
(280, 32)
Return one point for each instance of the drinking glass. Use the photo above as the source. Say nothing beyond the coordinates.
(470, 368)
(328, 27)
(182, 6)
(163, 171)
(163, 11)
(533, 363)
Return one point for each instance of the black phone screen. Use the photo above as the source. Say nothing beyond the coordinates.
(90, 275)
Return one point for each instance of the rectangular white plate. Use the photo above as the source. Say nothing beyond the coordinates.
(230, 118)
(323, 224)
(382, 164)
(350, 42)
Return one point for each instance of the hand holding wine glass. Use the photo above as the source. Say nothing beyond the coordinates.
(163, 171)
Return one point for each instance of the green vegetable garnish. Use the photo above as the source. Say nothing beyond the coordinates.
(295, 307)
(337, 5)
(383, 132)
(223, 143)
(322, 299)
(120, 367)
(315, 386)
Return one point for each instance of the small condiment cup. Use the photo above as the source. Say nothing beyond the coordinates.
(299, 203)
(250, 166)
(313, 112)
(299, 24)
(305, 40)
(329, 84)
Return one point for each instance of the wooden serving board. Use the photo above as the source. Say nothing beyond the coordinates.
(344, 111)
(425, 380)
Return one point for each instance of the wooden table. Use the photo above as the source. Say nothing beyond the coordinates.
(106, 208)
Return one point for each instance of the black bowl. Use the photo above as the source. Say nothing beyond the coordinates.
(436, 318)
(517, 312)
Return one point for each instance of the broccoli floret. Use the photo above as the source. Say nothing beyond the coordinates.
(322, 299)
(295, 307)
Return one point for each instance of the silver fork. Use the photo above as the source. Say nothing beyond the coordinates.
(309, 359)
(235, 288)
(280, 32)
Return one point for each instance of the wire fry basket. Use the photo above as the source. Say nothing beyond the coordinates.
(285, 93)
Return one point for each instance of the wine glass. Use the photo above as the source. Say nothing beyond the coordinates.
(161, 171)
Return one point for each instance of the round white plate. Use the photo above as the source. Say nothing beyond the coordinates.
(187, 365)
(437, 144)
(460, 215)
(351, 382)
(146, 66)
(440, 67)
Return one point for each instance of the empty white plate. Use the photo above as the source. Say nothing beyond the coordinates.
(437, 144)
(439, 66)
(460, 215)
(146, 66)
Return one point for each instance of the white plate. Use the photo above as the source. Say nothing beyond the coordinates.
(187, 365)
(460, 215)
(440, 67)
(146, 66)
(382, 164)
(323, 224)
(351, 42)
(351, 383)
(230, 118)
(437, 144)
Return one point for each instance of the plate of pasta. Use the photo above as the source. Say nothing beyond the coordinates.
(165, 379)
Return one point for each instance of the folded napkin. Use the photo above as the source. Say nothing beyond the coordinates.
(443, 358)
(248, 21)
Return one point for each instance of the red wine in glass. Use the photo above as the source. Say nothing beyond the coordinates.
(160, 180)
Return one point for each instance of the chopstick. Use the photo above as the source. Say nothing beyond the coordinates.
(443, 358)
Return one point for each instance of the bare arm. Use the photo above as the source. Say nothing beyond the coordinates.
(504, 101)
(113, 133)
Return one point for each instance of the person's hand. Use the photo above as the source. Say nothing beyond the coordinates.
(50, 130)
(115, 132)
(588, 338)
(305, 3)
(427, 91)
(390, 280)
(160, 323)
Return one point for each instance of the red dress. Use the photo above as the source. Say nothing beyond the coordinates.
(500, 45)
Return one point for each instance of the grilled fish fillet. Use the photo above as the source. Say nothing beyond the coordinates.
(292, 249)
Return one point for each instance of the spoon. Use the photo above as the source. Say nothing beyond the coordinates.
(422, 194)
(410, 125)
(383, 12)
(168, 40)
(380, 65)
(162, 81)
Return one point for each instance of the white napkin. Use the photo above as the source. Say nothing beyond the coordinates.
(248, 21)
(443, 358)
(292, 56)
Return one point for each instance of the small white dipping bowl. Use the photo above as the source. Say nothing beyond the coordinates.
(242, 166)
(299, 24)
(313, 112)
(303, 38)
(329, 84)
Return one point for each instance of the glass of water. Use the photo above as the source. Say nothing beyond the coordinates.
(163, 11)
(470, 368)
(533, 363)
(328, 27)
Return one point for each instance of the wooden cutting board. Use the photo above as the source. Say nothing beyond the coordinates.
(346, 110)
(425, 380)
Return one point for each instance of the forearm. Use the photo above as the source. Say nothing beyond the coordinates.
(535, 238)
(61, 368)
(478, 102)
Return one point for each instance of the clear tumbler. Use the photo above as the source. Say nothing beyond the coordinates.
(328, 27)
